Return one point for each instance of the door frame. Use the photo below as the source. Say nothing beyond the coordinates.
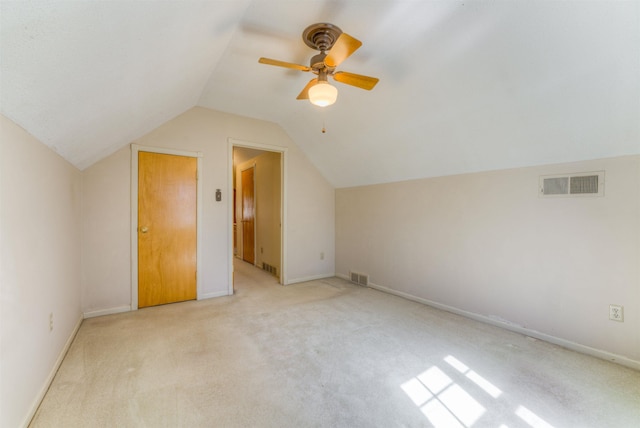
(135, 149)
(232, 142)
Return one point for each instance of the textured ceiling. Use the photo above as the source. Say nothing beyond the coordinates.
(88, 77)
(464, 85)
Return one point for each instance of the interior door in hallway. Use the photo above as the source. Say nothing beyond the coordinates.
(248, 216)
(167, 235)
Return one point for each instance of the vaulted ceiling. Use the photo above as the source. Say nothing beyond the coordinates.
(464, 85)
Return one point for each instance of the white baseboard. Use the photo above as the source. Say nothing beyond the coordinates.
(110, 311)
(583, 349)
(309, 278)
(204, 296)
(127, 308)
(52, 374)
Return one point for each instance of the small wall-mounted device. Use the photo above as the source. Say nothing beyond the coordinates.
(218, 195)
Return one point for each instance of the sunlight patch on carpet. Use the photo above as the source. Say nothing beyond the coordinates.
(446, 403)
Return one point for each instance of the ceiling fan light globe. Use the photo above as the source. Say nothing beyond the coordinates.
(323, 94)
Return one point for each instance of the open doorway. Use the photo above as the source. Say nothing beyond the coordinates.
(258, 207)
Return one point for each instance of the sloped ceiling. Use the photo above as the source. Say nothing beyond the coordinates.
(464, 85)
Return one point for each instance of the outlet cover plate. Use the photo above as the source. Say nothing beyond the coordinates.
(616, 313)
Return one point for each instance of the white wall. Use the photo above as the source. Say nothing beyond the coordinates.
(40, 197)
(487, 244)
(106, 223)
(268, 203)
(310, 210)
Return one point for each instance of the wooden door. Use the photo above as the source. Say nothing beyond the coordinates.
(167, 199)
(248, 216)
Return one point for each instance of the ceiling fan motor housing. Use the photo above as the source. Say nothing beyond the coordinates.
(317, 63)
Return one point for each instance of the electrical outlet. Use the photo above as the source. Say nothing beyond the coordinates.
(51, 321)
(616, 313)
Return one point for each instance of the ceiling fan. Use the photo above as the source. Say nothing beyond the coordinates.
(334, 46)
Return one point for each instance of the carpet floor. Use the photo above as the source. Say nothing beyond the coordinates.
(325, 353)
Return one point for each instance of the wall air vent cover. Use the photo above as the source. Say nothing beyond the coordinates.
(359, 278)
(568, 185)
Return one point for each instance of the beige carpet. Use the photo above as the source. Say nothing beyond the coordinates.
(325, 354)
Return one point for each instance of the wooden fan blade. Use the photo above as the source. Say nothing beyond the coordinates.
(304, 95)
(341, 50)
(275, 62)
(364, 82)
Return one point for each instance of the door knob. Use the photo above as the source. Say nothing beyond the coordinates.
(144, 229)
